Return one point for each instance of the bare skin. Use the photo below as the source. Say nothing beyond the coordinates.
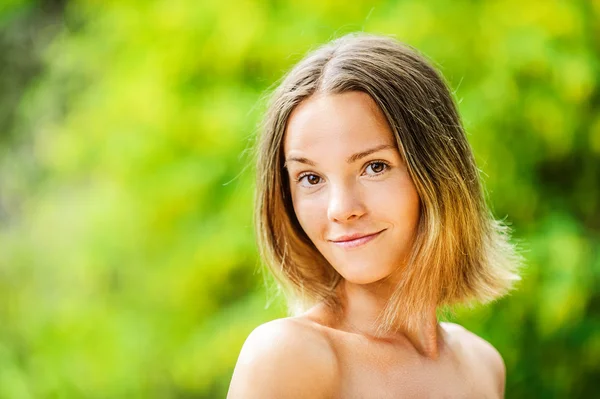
(466, 366)
(317, 355)
(347, 178)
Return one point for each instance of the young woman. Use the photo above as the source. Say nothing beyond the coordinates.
(371, 215)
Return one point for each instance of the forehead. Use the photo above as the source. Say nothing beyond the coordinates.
(349, 121)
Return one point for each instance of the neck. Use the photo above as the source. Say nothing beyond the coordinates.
(361, 306)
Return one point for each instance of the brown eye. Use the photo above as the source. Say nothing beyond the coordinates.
(309, 180)
(376, 168)
(313, 179)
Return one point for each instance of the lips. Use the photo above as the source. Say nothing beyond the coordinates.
(355, 240)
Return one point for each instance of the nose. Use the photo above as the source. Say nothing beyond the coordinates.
(345, 203)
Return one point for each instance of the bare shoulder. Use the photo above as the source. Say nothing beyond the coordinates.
(485, 352)
(284, 358)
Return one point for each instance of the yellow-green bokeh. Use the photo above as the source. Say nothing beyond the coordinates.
(128, 267)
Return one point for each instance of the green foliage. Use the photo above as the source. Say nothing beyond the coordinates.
(127, 264)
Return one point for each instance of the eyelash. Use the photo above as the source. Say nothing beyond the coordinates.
(387, 166)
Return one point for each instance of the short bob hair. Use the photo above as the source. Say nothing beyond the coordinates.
(460, 254)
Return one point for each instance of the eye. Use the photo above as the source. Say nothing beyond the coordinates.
(376, 168)
(309, 179)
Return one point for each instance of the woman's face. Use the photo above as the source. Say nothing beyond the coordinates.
(350, 188)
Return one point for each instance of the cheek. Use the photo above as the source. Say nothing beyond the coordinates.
(408, 207)
(311, 214)
(398, 202)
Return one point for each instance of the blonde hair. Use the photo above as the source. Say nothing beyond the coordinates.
(460, 254)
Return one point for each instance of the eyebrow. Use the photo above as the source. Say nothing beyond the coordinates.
(351, 159)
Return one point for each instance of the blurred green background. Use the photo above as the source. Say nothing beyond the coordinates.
(128, 267)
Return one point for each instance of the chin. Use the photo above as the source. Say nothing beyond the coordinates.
(361, 274)
(363, 280)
